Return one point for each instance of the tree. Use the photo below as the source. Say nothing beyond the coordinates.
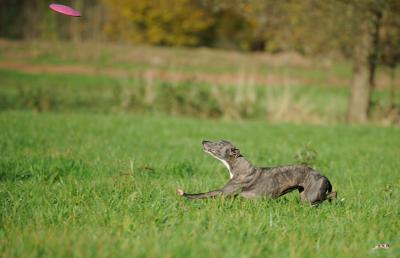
(267, 24)
(365, 49)
(159, 22)
(390, 49)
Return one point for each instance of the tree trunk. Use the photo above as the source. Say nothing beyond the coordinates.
(392, 87)
(373, 58)
(360, 96)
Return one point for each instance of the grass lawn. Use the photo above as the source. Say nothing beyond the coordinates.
(103, 185)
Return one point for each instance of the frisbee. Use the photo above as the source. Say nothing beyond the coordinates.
(66, 10)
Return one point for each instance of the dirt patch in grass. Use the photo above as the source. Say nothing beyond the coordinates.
(165, 75)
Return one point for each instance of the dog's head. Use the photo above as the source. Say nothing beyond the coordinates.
(222, 150)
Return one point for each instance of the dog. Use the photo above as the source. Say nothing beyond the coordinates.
(253, 182)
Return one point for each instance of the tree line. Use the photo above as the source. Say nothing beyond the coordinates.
(367, 32)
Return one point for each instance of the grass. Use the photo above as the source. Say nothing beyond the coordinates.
(198, 62)
(106, 94)
(89, 161)
(98, 185)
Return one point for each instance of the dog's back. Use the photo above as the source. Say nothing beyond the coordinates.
(277, 181)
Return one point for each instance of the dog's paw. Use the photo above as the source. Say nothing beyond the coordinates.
(180, 192)
(381, 246)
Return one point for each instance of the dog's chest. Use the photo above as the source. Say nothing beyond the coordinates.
(227, 166)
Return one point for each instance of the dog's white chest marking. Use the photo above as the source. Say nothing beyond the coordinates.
(224, 162)
(226, 165)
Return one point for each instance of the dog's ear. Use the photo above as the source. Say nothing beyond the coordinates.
(235, 152)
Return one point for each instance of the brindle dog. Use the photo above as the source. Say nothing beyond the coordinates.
(252, 182)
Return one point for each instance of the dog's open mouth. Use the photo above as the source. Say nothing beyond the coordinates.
(206, 147)
(210, 151)
(207, 150)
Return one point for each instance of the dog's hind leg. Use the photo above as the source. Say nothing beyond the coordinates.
(317, 191)
(331, 196)
(302, 194)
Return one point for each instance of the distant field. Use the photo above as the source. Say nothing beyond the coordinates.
(88, 185)
(105, 94)
(201, 64)
(113, 59)
(200, 83)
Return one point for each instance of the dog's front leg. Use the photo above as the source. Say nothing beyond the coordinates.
(210, 194)
(230, 189)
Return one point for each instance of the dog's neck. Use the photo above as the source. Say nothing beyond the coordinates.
(237, 165)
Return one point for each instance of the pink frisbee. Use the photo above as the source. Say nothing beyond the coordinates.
(66, 10)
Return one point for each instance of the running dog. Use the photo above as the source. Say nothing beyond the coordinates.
(252, 182)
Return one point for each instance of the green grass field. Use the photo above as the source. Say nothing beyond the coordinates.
(95, 139)
(103, 185)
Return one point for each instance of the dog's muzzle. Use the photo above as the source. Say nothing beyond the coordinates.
(206, 146)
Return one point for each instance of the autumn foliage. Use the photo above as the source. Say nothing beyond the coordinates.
(160, 22)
